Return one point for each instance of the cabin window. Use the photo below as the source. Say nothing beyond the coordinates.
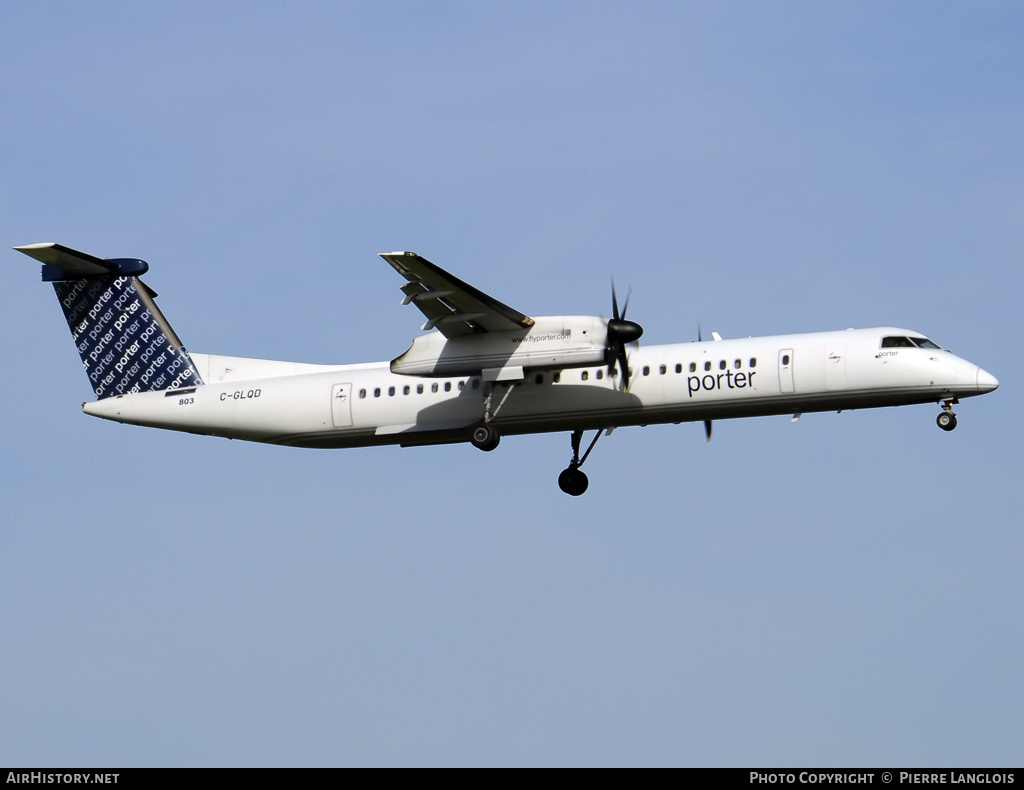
(419, 389)
(647, 370)
(599, 373)
(362, 393)
(693, 367)
(785, 359)
(462, 386)
(737, 364)
(391, 391)
(753, 362)
(679, 368)
(663, 370)
(475, 383)
(584, 375)
(896, 342)
(557, 377)
(433, 387)
(406, 390)
(721, 364)
(376, 392)
(447, 386)
(707, 365)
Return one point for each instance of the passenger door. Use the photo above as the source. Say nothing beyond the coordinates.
(786, 370)
(341, 405)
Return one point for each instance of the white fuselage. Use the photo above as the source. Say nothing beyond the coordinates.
(358, 405)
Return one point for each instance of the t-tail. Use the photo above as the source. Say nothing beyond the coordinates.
(124, 340)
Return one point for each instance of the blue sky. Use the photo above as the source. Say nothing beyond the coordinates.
(842, 591)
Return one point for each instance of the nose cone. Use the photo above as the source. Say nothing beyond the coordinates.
(986, 381)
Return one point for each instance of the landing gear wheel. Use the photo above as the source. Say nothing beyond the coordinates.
(572, 481)
(485, 437)
(946, 421)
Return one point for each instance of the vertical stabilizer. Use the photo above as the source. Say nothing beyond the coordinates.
(124, 340)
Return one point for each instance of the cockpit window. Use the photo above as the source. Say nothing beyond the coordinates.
(908, 342)
(896, 342)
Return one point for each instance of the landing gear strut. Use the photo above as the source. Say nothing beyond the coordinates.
(947, 419)
(571, 480)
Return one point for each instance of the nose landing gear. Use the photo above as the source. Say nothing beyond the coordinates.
(571, 480)
(946, 419)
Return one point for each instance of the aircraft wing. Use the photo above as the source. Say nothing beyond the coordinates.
(451, 306)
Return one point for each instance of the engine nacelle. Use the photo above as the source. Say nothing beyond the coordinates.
(552, 343)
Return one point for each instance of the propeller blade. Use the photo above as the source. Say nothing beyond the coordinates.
(624, 366)
(625, 305)
(707, 429)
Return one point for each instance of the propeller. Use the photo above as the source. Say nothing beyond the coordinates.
(707, 423)
(621, 332)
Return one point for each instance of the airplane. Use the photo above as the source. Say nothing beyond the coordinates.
(481, 371)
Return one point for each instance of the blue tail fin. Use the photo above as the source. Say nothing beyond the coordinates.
(124, 340)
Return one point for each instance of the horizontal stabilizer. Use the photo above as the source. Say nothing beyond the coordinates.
(63, 263)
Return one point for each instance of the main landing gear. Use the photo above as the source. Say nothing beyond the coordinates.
(485, 436)
(572, 481)
(947, 419)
